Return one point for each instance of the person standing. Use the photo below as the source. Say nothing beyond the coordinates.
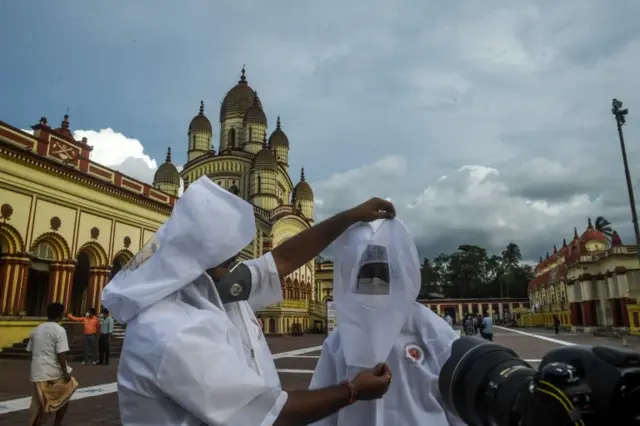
(91, 328)
(106, 333)
(448, 319)
(391, 327)
(53, 384)
(487, 327)
(194, 352)
(556, 324)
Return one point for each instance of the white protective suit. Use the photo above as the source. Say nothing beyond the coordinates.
(187, 358)
(374, 327)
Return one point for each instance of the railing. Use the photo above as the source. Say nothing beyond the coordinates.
(294, 304)
(318, 309)
(261, 212)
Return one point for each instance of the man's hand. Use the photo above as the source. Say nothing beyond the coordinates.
(374, 383)
(67, 376)
(375, 208)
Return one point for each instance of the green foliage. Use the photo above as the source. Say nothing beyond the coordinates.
(470, 272)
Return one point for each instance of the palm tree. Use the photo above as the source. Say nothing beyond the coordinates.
(511, 257)
(603, 225)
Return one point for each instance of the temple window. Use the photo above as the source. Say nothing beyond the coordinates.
(232, 138)
(43, 251)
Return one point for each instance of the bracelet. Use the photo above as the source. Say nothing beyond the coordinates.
(353, 392)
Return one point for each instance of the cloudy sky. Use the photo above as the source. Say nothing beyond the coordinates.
(485, 122)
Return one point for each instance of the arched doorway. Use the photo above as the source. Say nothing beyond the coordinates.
(80, 286)
(272, 325)
(119, 262)
(37, 292)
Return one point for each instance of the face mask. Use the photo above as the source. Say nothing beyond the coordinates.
(235, 285)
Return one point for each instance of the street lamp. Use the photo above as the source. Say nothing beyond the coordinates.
(620, 114)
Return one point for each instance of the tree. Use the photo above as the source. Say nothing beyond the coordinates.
(470, 272)
(603, 225)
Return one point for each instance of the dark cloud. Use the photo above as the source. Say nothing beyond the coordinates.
(377, 98)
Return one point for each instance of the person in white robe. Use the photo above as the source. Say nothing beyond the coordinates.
(188, 357)
(384, 325)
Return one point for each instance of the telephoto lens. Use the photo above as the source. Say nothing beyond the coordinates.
(482, 382)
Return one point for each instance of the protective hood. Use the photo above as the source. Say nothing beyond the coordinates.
(376, 282)
(208, 225)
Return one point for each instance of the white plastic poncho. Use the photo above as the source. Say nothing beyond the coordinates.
(187, 358)
(384, 323)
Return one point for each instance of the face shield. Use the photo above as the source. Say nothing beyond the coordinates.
(376, 280)
(373, 275)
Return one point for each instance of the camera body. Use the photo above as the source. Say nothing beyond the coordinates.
(488, 384)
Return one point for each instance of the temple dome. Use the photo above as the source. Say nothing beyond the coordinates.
(167, 172)
(255, 114)
(238, 100)
(200, 122)
(278, 137)
(302, 191)
(264, 159)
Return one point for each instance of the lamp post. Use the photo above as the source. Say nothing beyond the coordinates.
(620, 114)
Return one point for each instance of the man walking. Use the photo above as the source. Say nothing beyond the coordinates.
(50, 374)
(106, 332)
(91, 327)
(487, 327)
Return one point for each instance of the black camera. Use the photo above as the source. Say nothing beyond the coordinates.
(487, 384)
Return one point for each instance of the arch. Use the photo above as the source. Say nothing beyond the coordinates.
(308, 288)
(289, 287)
(232, 138)
(97, 255)
(120, 259)
(12, 237)
(123, 255)
(296, 289)
(60, 246)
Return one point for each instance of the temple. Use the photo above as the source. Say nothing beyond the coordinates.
(591, 282)
(68, 224)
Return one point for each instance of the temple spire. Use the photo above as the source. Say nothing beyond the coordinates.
(302, 174)
(168, 159)
(278, 123)
(264, 140)
(65, 122)
(201, 107)
(589, 224)
(243, 77)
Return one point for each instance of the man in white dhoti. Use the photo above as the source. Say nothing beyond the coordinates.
(194, 352)
(384, 324)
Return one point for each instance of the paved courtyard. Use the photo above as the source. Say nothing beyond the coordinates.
(95, 403)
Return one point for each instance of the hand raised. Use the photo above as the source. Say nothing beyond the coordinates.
(375, 208)
(373, 383)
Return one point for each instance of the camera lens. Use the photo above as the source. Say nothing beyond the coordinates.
(481, 382)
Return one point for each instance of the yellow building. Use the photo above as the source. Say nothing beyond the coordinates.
(255, 167)
(589, 283)
(69, 224)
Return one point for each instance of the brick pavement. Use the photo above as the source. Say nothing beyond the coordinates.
(103, 409)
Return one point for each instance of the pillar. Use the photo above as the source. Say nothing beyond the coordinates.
(624, 312)
(615, 311)
(589, 313)
(98, 278)
(58, 281)
(14, 273)
(576, 316)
